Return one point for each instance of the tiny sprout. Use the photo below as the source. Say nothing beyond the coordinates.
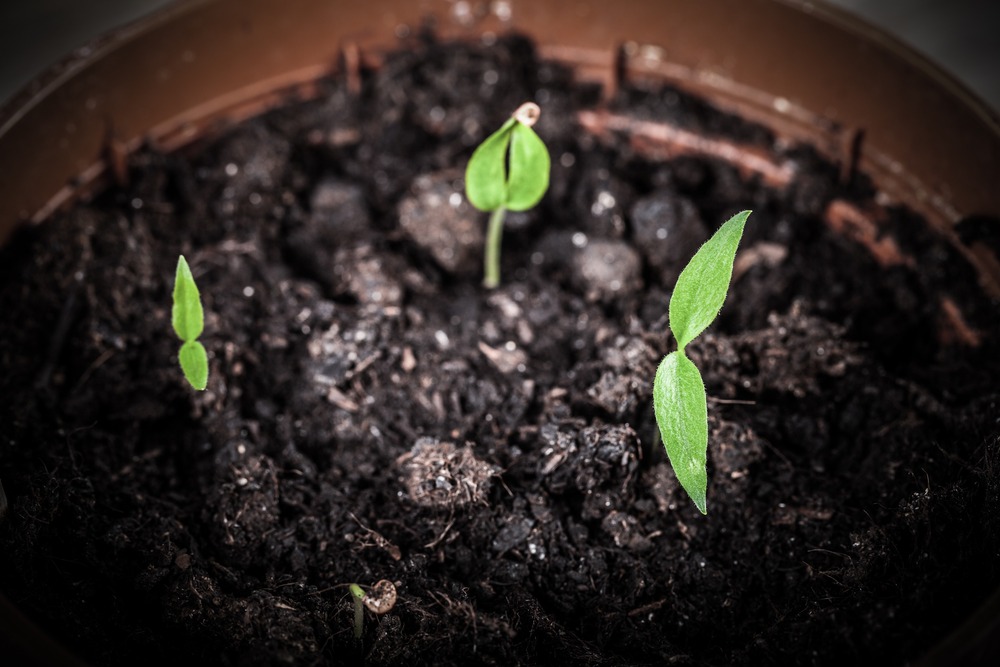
(679, 398)
(380, 600)
(359, 610)
(498, 181)
(189, 321)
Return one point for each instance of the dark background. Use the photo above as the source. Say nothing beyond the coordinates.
(963, 36)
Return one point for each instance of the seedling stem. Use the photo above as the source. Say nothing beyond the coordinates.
(491, 270)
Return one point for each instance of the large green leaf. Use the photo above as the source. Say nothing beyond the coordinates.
(486, 173)
(187, 316)
(194, 363)
(529, 169)
(702, 286)
(681, 410)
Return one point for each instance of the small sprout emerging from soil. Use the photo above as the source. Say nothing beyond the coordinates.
(359, 610)
(499, 181)
(379, 600)
(189, 321)
(679, 398)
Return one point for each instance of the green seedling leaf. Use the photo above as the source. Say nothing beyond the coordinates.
(498, 181)
(679, 399)
(486, 173)
(702, 286)
(529, 169)
(194, 363)
(188, 320)
(680, 405)
(187, 315)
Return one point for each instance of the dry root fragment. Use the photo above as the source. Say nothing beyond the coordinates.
(661, 140)
(954, 327)
(847, 219)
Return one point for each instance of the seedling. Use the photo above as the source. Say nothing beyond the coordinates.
(189, 321)
(359, 610)
(380, 600)
(679, 398)
(498, 181)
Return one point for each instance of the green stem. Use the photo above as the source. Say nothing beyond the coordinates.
(491, 267)
(359, 610)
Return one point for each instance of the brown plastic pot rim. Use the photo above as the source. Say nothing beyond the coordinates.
(558, 33)
(852, 23)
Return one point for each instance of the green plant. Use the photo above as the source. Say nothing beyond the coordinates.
(359, 610)
(679, 398)
(498, 181)
(379, 600)
(189, 321)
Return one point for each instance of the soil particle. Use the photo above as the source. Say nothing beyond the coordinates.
(244, 507)
(599, 466)
(668, 230)
(442, 222)
(439, 474)
(606, 270)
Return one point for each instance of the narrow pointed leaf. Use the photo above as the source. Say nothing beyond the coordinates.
(194, 363)
(187, 316)
(701, 288)
(529, 169)
(680, 405)
(486, 173)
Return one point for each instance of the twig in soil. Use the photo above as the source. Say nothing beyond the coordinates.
(646, 608)
(100, 361)
(116, 155)
(376, 540)
(730, 401)
(3, 502)
(847, 219)
(350, 62)
(437, 540)
(955, 328)
(851, 144)
(130, 466)
(66, 317)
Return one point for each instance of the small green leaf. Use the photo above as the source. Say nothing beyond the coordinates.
(194, 363)
(187, 316)
(529, 169)
(702, 286)
(681, 409)
(485, 175)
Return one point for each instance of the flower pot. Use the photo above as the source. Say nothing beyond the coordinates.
(875, 109)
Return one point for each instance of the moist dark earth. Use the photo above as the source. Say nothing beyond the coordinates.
(374, 414)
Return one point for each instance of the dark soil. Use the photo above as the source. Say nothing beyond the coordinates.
(372, 413)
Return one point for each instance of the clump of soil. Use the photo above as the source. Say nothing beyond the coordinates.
(373, 413)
